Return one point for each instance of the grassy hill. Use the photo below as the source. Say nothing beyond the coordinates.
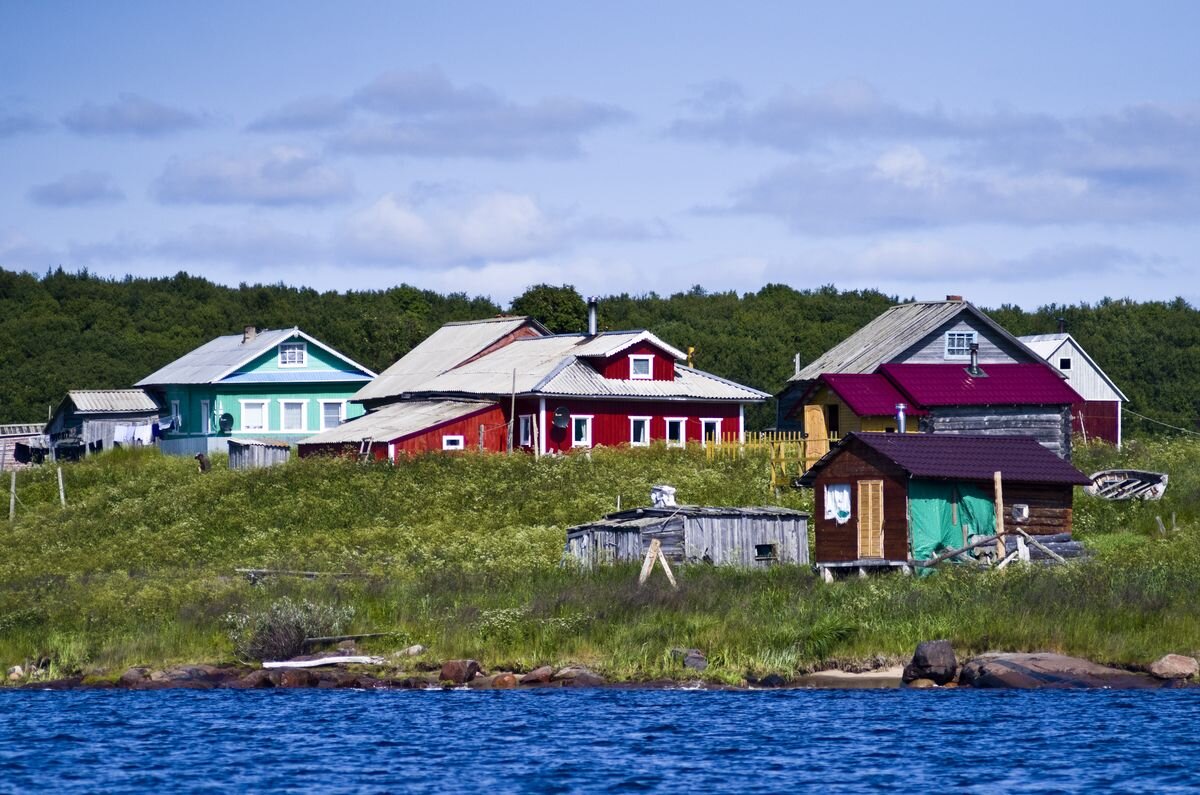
(463, 554)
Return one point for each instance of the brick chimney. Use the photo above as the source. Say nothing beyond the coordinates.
(954, 298)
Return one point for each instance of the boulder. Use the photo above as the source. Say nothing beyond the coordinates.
(193, 673)
(691, 658)
(578, 676)
(133, 676)
(538, 676)
(298, 677)
(933, 660)
(1047, 670)
(414, 650)
(1174, 666)
(504, 681)
(459, 671)
(921, 683)
(254, 680)
(772, 680)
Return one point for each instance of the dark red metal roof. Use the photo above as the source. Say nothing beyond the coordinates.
(869, 394)
(1019, 459)
(932, 385)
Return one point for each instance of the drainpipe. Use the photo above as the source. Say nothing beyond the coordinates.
(593, 305)
(900, 418)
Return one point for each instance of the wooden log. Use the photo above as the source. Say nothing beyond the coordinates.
(666, 568)
(648, 562)
(62, 493)
(999, 529)
(952, 553)
(340, 638)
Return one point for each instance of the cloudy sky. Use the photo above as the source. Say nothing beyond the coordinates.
(1035, 153)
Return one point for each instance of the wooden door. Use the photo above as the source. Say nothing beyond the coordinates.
(817, 443)
(870, 518)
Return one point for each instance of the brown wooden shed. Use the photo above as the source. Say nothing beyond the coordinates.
(883, 500)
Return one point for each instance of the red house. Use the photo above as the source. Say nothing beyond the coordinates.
(467, 384)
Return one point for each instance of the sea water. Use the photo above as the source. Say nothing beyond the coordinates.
(604, 740)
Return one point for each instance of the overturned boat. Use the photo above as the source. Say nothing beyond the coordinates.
(1127, 484)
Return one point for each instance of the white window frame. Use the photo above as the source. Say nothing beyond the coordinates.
(177, 416)
(632, 437)
(1066, 359)
(454, 442)
(525, 430)
(716, 436)
(266, 415)
(341, 404)
(682, 422)
(205, 417)
(283, 404)
(641, 357)
(971, 337)
(587, 421)
(292, 345)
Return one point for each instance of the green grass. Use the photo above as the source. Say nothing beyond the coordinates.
(463, 554)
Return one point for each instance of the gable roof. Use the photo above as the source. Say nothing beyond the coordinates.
(112, 401)
(931, 385)
(890, 334)
(867, 394)
(1045, 345)
(449, 346)
(1019, 459)
(216, 359)
(396, 420)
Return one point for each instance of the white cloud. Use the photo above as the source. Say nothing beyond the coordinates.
(279, 176)
(133, 115)
(78, 189)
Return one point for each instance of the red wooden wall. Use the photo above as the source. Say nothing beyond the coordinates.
(839, 543)
(618, 366)
(610, 419)
(1097, 419)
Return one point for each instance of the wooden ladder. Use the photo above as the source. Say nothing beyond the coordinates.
(364, 449)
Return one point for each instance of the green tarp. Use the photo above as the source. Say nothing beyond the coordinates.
(932, 510)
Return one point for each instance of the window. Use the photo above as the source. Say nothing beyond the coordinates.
(958, 344)
(205, 418)
(525, 430)
(581, 431)
(293, 354)
(254, 415)
(332, 412)
(766, 553)
(833, 421)
(176, 416)
(676, 435)
(641, 367)
(293, 413)
(1064, 364)
(639, 431)
(711, 431)
(453, 443)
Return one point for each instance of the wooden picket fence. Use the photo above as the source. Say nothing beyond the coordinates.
(790, 452)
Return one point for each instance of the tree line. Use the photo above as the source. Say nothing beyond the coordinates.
(64, 330)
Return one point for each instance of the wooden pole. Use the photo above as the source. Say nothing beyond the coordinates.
(999, 516)
(481, 437)
(648, 563)
(12, 496)
(62, 492)
(512, 412)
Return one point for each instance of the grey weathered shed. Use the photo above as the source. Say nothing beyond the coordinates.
(751, 537)
(89, 420)
(255, 453)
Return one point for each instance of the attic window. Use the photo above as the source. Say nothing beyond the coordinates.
(453, 443)
(958, 344)
(293, 354)
(641, 367)
(1064, 364)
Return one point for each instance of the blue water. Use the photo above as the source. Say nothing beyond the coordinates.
(599, 741)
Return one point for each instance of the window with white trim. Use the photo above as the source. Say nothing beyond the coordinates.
(958, 344)
(676, 431)
(581, 430)
(293, 354)
(454, 443)
(641, 367)
(293, 415)
(525, 430)
(254, 415)
(710, 431)
(1064, 364)
(639, 431)
(333, 412)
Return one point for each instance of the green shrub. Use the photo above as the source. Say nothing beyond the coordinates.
(278, 632)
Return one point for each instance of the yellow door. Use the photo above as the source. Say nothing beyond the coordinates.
(870, 518)
(817, 443)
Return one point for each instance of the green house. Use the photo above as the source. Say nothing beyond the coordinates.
(280, 385)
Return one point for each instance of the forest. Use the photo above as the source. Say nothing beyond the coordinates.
(64, 330)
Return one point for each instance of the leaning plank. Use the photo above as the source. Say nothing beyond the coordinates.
(340, 638)
(953, 553)
(1042, 546)
(349, 659)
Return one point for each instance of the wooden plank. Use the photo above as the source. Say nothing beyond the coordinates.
(648, 563)
(998, 485)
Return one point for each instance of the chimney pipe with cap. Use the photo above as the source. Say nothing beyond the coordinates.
(1062, 325)
(974, 368)
(900, 418)
(593, 305)
(249, 333)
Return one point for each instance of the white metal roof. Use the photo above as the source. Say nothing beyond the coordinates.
(396, 420)
(579, 379)
(222, 356)
(1045, 345)
(450, 345)
(889, 335)
(114, 401)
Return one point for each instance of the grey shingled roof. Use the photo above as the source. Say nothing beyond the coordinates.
(111, 401)
(396, 420)
(890, 334)
(218, 358)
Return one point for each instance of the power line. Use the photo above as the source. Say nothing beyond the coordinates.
(1160, 422)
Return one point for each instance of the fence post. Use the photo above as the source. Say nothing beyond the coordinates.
(12, 496)
(62, 493)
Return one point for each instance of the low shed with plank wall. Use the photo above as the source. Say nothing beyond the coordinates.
(886, 500)
(747, 537)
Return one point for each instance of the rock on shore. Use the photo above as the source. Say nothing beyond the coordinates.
(1047, 670)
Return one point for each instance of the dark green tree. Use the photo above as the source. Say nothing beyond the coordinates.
(560, 309)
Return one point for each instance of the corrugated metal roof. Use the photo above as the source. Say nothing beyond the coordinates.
(889, 335)
(932, 385)
(868, 395)
(220, 357)
(1019, 459)
(396, 420)
(450, 345)
(22, 429)
(580, 379)
(296, 377)
(112, 400)
(610, 343)
(1045, 345)
(639, 518)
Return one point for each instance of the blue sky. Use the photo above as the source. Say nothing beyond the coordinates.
(1028, 154)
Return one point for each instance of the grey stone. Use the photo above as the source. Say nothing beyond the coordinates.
(933, 660)
(1174, 666)
(538, 676)
(1047, 670)
(414, 650)
(459, 671)
(691, 658)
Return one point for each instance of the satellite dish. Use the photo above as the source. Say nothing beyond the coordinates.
(225, 422)
(561, 418)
